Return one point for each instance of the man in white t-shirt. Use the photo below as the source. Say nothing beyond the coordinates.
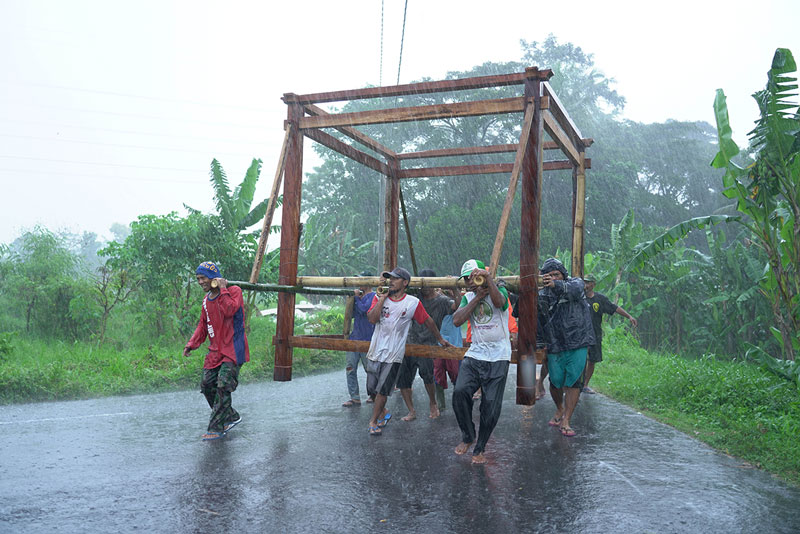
(486, 362)
(391, 313)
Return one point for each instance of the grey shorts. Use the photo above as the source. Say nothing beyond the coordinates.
(381, 377)
(408, 370)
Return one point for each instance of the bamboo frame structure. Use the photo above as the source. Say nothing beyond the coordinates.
(543, 113)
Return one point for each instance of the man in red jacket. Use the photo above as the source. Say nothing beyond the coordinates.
(222, 321)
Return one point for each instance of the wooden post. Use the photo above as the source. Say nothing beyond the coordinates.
(529, 244)
(512, 191)
(408, 234)
(290, 234)
(578, 214)
(392, 214)
(273, 202)
(349, 304)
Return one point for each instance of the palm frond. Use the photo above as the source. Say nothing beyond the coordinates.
(243, 195)
(222, 192)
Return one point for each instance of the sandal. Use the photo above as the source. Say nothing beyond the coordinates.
(374, 431)
(351, 403)
(567, 432)
(382, 422)
(211, 436)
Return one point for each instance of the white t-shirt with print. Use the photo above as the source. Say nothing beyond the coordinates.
(490, 338)
(388, 342)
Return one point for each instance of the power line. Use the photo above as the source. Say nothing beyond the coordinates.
(140, 116)
(101, 176)
(168, 149)
(134, 132)
(380, 76)
(402, 39)
(29, 158)
(128, 95)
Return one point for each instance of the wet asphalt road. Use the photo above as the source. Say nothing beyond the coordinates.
(301, 463)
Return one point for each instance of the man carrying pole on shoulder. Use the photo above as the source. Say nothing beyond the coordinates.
(222, 321)
(392, 312)
(486, 362)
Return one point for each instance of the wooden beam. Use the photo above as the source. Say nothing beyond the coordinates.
(531, 196)
(347, 150)
(562, 140)
(512, 191)
(563, 165)
(441, 86)
(463, 170)
(420, 351)
(273, 202)
(470, 151)
(391, 224)
(562, 117)
(488, 168)
(461, 151)
(354, 134)
(290, 245)
(578, 218)
(436, 111)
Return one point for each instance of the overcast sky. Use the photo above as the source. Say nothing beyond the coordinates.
(115, 109)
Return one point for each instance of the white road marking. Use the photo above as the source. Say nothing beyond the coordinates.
(64, 418)
(623, 477)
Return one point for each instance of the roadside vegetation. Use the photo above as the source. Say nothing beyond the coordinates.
(734, 405)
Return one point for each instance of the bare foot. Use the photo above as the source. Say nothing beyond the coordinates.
(434, 412)
(479, 459)
(410, 417)
(462, 447)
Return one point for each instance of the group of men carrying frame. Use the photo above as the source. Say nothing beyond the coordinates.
(542, 113)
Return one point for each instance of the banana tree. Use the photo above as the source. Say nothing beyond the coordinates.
(767, 192)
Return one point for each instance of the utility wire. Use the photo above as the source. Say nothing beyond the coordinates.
(133, 132)
(380, 75)
(121, 145)
(402, 39)
(128, 95)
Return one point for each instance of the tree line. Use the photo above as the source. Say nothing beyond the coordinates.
(722, 290)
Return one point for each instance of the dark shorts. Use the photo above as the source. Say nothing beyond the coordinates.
(408, 370)
(595, 353)
(566, 368)
(381, 377)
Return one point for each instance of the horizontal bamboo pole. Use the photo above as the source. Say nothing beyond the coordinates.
(444, 282)
(291, 289)
(420, 351)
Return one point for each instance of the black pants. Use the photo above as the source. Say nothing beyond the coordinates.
(491, 378)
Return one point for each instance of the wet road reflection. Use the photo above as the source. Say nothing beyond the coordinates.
(299, 462)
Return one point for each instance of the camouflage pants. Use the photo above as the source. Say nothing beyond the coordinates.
(217, 385)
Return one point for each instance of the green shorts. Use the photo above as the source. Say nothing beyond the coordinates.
(566, 368)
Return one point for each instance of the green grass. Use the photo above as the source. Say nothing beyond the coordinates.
(39, 370)
(736, 407)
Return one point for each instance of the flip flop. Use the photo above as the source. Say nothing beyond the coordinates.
(588, 390)
(567, 432)
(232, 424)
(382, 422)
(374, 431)
(554, 422)
(351, 403)
(211, 436)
